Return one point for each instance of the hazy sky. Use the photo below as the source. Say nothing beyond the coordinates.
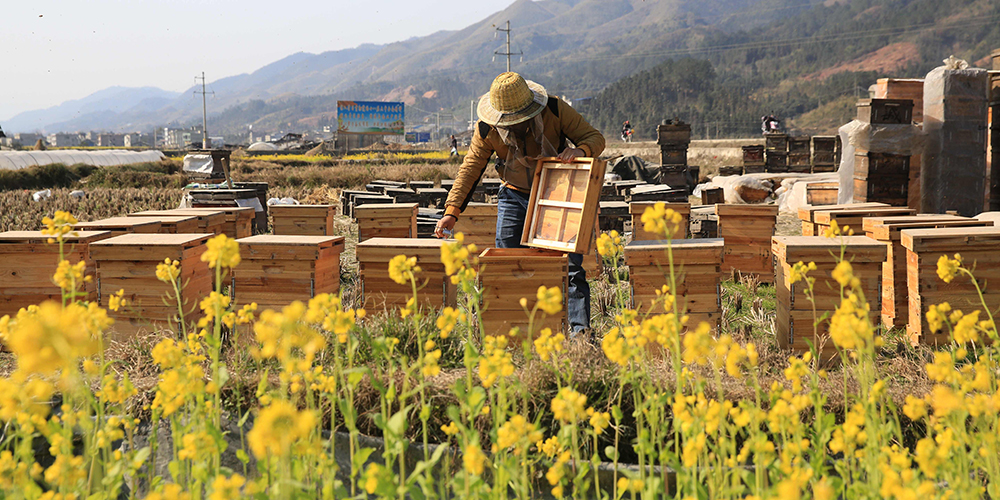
(56, 50)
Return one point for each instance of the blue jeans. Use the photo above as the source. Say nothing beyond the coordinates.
(512, 208)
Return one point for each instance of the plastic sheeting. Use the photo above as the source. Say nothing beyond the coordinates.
(878, 138)
(16, 160)
(953, 169)
(790, 194)
(201, 164)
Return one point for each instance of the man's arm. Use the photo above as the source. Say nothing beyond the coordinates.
(586, 137)
(468, 177)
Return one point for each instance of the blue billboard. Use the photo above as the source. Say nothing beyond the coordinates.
(370, 117)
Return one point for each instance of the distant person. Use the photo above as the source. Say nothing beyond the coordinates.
(2, 135)
(626, 132)
(520, 123)
(454, 146)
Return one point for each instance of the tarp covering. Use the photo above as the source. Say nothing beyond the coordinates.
(16, 160)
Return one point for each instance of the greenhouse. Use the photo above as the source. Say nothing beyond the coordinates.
(16, 160)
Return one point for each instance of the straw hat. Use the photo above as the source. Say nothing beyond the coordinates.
(511, 100)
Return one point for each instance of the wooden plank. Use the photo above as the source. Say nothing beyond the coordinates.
(792, 249)
(945, 239)
(824, 217)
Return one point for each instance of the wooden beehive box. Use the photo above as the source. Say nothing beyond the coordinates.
(895, 307)
(794, 321)
(562, 208)
(310, 220)
(747, 230)
(129, 262)
(387, 220)
(277, 270)
(175, 224)
(509, 274)
(639, 233)
(121, 225)
(239, 220)
(978, 247)
(28, 261)
(210, 220)
(806, 214)
(379, 291)
(478, 224)
(853, 218)
(697, 272)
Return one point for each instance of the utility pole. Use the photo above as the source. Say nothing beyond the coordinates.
(507, 51)
(204, 112)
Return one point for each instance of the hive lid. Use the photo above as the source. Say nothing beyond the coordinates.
(891, 230)
(825, 216)
(513, 254)
(155, 239)
(384, 209)
(748, 210)
(38, 237)
(638, 207)
(806, 212)
(792, 249)
(427, 250)
(288, 247)
(289, 240)
(119, 222)
(869, 223)
(950, 240)
(690, 251)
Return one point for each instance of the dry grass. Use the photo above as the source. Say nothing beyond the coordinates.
(19, 212)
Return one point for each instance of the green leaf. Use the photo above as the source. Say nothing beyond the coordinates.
(616, 412)
(242, 456)
(360, 457)
(397, 423)
(611, 452)
(477, 397)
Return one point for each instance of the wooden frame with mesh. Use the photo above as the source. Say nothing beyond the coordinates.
(562, 209)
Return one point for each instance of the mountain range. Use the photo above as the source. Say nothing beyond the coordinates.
(577, 48)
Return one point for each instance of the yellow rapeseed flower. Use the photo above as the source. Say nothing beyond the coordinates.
(278, 427)
(473, 459)
(658, 219)
(546, 344)
(168, 271)
(53, 339)
(450, 429)
(224, 488)
(518, 433)
(550, 300)
(599, 420)
(448, 320)
(402, 269)
(568, 406)
(495, 362)
(947, 268)
(59, 226)
(609, 246)
(222, 251)
(799, 270)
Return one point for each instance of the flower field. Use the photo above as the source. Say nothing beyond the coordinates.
(662, 409)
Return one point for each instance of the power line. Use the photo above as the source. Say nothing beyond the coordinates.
(204, 111)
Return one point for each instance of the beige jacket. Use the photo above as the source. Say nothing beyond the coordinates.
(561, 123)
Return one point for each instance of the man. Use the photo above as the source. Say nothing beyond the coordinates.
(454, 146)
(520, 123)
(627, 131)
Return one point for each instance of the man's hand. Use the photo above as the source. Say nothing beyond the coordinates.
(447, 223)
(571, 154)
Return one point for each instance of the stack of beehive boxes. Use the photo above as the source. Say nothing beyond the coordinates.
(880, 176)
(383, 220)
(128, 262)
(28, 261)
(993, 142)
(305, 220)
(799, 158)
(509, 274)
(697, 273)
(673, 139)
(824, 149)
(912, 89)
(753, 159)
(747, 231)
(378, 289)
(795, 323)
(276, 270)
(776, 152)
(895, 299)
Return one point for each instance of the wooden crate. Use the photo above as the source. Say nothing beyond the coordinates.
(562, 208)
(821, 193)
(307, 220)
(891, 189)
(747, 230)
(478, 223)
(277, 270)
(895, 307)
(175, 224)
(509, 274)
(129, 262)
(712, 196)
(753, 155)
(239, 220)
(794, 321)
(853, 216)
(903, 88)
(380, 292)
(639, 233)
(807, 212)
(885, 111)
(28, 261)
(387, 220)
(978, 247)
(697, 272)
(776, 142)
(210, 220)
(121, 225)
(799, 144)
